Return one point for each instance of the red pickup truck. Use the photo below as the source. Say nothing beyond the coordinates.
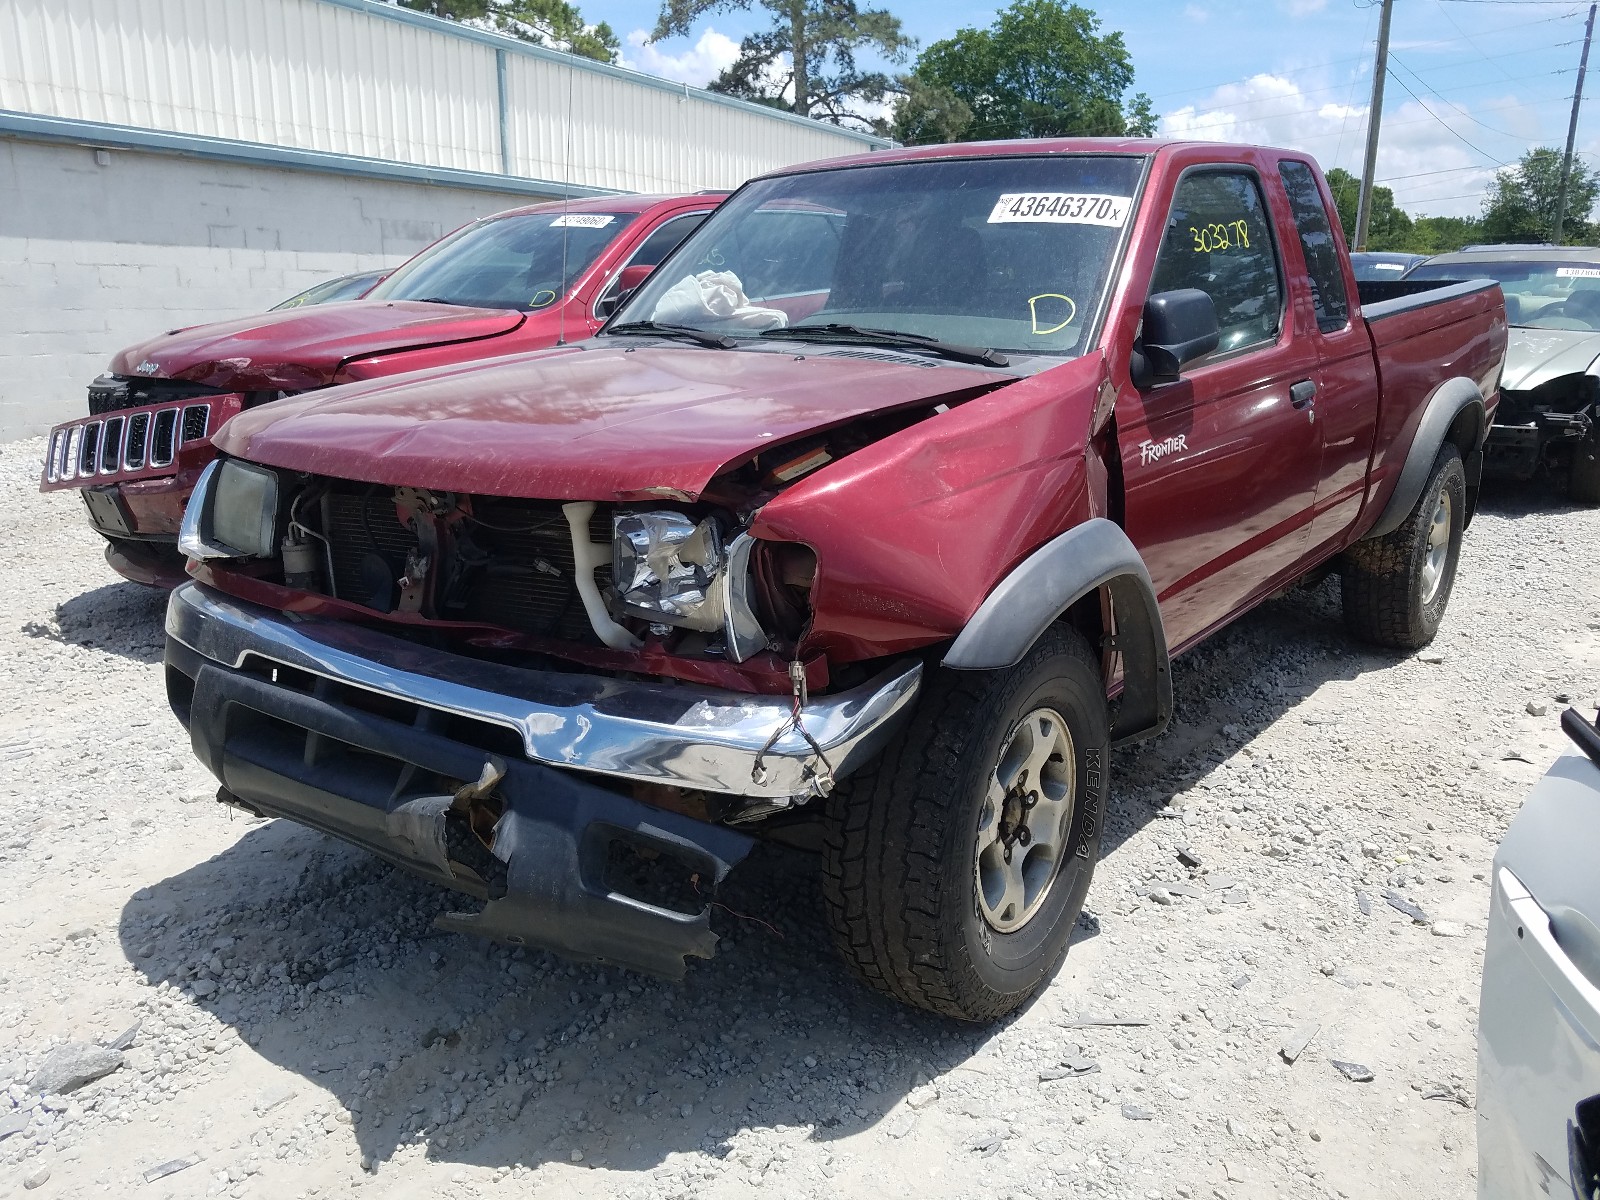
(880, 545)
(516, 281)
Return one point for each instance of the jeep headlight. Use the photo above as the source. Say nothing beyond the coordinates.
(671, 570)
(232, 514)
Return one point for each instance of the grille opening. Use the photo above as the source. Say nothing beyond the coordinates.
(138, 437)
(164, 439)
(89, 451)
(652, 874)
(196, 418)
(111, 458)
(483, 735)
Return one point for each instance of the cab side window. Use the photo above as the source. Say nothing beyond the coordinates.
(665, 240)
(1219, 239)
(1316, 238)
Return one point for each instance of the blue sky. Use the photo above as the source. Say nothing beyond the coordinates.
(1487, 79)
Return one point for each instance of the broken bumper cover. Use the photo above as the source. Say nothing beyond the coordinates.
(369, 738)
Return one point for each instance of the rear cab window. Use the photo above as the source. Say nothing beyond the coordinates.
(1323, 268)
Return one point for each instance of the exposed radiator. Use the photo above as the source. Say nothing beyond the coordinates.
(511, 565)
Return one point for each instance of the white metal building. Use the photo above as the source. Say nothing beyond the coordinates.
(166, 162)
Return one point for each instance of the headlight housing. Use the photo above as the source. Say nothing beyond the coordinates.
(665, 567)
(233, 513)
(672, 570)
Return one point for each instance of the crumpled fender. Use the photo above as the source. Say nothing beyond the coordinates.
(914, 531)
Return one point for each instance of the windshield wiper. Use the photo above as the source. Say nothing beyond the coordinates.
(717, 341)
(834, 332)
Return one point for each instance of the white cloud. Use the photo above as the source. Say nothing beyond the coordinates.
(697, 65)
(1429, 167)
(1196, 14)
(1303, 8)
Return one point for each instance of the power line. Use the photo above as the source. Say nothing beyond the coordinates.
(1423, 83)
(1441, 120)
(1334, 62)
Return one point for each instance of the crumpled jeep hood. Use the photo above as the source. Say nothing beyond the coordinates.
(301, 348)
(1535, 356)
(591, 422)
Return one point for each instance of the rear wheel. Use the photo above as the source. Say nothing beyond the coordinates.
(1395, 587)
(1583, 482)
(956, 865)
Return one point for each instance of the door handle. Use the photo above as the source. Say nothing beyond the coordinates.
(1303, 393)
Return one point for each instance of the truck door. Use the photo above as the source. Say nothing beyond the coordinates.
(1345, 404)
(1220, 468)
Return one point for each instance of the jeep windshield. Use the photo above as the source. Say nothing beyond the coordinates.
(1005, 254)
(1540, 293)
(526, 261)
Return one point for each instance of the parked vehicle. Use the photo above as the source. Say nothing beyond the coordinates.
(1548, 413)
(330, 291)
(1539, 1015)
(1372, 265)
(515, 281)
(871, 518)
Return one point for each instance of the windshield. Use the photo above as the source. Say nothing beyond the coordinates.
(506, 262)
(1012, 254)
(1368, 268)
(1539, 295)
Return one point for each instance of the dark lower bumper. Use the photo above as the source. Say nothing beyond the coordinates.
(557, 868)
(1517, 444)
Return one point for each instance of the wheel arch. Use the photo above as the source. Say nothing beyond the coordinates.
(1079, 574)
(1454, 414)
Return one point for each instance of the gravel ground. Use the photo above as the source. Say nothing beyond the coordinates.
(287, 1022)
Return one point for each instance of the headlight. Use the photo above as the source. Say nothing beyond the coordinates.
(665, 568)
(232, 514)
(670, 570)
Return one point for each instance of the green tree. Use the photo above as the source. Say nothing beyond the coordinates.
(805, 61)
(1042, 69)
(1520, 204)
(1389, 228)
(553, 23)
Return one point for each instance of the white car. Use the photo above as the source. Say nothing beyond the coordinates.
(1539, 1018)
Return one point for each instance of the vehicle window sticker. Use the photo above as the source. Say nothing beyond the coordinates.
(582, 221)
(1039, 329)
(1578, 272)
(1061, 208)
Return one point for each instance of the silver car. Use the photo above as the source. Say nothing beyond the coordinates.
(1539, 1017)
(1548, 415)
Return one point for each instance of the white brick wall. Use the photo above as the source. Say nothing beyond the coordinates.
(93, 257)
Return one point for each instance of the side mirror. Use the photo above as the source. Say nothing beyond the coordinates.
(1180, 326)
(633, 276)
(628, 279)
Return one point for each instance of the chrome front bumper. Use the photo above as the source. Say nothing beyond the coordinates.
(677, 734)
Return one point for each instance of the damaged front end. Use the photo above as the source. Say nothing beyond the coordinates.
(576, 712)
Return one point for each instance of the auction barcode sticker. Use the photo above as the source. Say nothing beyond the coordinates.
(582, 221)
(1062, 208)
(1578, 272)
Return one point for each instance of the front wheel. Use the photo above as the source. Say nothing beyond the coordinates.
(1395, 587)
(956, 865)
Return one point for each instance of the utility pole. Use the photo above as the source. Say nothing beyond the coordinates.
(1379, 70)
(1572, 132)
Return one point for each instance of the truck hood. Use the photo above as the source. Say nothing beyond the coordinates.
(587, 422)
(1536, 356)
(301, 348)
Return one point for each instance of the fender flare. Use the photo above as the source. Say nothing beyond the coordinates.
(1094, 555)
(1450, 402)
